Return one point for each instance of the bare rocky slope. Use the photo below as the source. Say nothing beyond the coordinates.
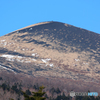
(53, 50)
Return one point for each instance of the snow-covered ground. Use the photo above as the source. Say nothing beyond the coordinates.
(7, 69)
(18, 58)
(35, 54)
(22, 59)
(8, 56)
(5, 43)
(46, 60)
(77, 59)
(34, 59)
(3, 40)
(85, 63)
(30, 28)
(51, 65)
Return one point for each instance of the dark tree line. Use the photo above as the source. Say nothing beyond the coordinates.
(39, 95)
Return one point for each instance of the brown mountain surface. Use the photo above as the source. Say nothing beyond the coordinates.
(53, 50)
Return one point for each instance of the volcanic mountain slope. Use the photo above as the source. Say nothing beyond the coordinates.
(52, 49)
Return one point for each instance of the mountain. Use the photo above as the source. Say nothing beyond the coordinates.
(61, 53)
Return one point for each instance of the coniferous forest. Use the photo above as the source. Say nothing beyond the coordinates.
(38, 93)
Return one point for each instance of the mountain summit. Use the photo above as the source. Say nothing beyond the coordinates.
(52, 50)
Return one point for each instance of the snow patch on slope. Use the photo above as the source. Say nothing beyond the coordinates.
(3, 40)
(46, 61)
(7, 69)
(18, 58)
(7, 56)
(34, 54)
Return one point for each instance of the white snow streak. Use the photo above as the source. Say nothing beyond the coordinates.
(46, 60)
(8, 69)
(8, 56)
(18, 58)
(77, 60)
(3, 40)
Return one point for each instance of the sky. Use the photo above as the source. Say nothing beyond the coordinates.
(16, 14)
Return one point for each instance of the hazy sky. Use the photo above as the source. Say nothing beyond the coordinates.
(16, 14)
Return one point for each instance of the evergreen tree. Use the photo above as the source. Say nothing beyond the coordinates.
(36, 95)
(36, 87)
(46, 96)
(14, 87)
(58, 91)
(11, 99)
(1, 78)
(4, 86)
(28, 92)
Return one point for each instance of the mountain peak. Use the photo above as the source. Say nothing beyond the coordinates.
(52, 49)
